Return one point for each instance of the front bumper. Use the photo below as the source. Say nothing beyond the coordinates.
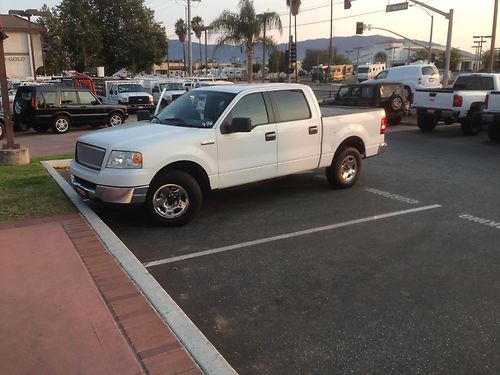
(109, 194)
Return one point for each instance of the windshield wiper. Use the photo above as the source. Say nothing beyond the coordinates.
(175, 120)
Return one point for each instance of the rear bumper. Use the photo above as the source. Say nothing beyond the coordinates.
(439, 113)
(109, 194)
(382, 148)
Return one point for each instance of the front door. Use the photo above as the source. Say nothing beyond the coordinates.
(93, 112)
(247, 156)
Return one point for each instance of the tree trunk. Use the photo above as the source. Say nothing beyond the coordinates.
(264, 55)
(250, 53)
(184, 56)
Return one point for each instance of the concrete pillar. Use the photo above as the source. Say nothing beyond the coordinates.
(18, 156)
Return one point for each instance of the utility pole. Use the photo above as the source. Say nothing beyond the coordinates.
(357, 53)
(480, 42)
(190, 42)
(491, 65)
(331, 37)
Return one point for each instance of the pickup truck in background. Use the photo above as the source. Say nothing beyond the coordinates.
(222, 136)
(491, 115)
(125, 92)
(462, 103)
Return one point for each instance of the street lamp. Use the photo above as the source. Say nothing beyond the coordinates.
(432, 27)
(28, 13)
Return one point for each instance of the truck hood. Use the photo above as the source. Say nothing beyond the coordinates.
(174, 92)
(130, 94)
(138, 136)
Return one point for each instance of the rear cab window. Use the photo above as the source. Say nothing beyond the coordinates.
(291, 105)
(474, 82)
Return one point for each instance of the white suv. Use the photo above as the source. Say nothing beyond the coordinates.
(413, 77)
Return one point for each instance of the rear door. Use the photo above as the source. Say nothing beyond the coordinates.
(252, 156)
(299, 133)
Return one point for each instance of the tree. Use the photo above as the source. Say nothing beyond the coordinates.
(486, 59)
(268, 20)
(455, 56)
(197, 26)
(238, 29)
(181, 31)
(277, 62)
(420, 55)
(380, 57)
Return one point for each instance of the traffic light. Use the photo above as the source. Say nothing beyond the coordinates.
(347, 4)
(359, 28)
(293, 52)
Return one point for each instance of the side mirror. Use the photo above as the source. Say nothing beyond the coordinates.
(143, 115)
(111, 92)
(240, 125)
(156, 90)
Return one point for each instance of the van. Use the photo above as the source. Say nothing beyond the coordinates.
(368, 71)
(413, 77)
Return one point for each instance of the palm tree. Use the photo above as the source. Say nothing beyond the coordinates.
(267, 20)
(197, 26)
(180, 31)
(238, 29)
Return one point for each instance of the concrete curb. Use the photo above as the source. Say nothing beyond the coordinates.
(198, 346)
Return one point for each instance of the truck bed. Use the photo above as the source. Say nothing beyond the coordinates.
(334, 110)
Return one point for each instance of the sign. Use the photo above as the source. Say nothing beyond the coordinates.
(395, 7)
(15, 58)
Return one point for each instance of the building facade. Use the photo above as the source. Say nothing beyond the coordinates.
(18, 54)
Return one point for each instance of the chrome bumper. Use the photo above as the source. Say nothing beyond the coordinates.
(111, 194)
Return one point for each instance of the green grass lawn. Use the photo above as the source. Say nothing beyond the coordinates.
(28, 191)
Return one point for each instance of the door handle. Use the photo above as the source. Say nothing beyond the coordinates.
(313, 130)
(271, 136)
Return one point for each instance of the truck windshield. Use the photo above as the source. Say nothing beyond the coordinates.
(171, 86)
(363, 70)
(130, 87)
(196, 109)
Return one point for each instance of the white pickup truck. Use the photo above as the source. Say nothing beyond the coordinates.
(463, 103)
(129, 93)
(491, 115)
(222, 136)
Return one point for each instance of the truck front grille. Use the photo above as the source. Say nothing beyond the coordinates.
(89, 156)
(138, 100)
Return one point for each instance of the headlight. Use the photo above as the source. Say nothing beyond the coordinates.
(125, 160)
(124, 100)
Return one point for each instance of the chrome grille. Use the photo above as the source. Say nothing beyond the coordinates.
(138, 100)
(89, 156)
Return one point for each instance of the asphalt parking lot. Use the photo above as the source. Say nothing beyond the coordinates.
(398, 274)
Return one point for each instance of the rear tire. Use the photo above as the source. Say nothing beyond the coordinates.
(60, 124)
(173, 198)
(472, 124)
(426, 123)
(494, 132)
(394, 120)
(345, 168)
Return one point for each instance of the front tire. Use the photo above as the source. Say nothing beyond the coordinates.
(61, 124)
(472, 124)
(345, 168)
(115, 119)
(173, 198)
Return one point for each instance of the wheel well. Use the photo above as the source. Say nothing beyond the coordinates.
(355, 142)
(63, 114)
(476, 106)
(191, 168)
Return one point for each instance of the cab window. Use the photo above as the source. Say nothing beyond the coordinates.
(292, 105)
(251, 106)
(382, 74)
(45, 99)
(69, 97)
(86, 98)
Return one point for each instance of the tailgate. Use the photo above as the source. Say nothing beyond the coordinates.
(433, 99)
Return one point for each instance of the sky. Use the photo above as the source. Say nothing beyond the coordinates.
(471, 18)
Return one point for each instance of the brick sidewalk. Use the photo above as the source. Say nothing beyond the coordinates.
(68, 307)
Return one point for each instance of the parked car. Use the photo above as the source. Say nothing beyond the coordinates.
(413, 77)
(368, 71)
(222, 136)
(124, 92)
(56, 107)
(462, 103)
(387, 95)
(2, 125)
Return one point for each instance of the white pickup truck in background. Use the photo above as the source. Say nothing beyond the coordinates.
(222, 136)
(125, 92)
(463, 103)
(491, 115)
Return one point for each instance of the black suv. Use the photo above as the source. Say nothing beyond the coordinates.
(2, 125)
(59, 107)
(387, 95)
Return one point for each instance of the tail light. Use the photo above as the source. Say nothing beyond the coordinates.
(33, 102)
(383, 125)
(457, 101)
(486, 101)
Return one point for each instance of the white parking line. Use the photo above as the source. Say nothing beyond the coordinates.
(391, 196)
(480, 220)
(287, 236)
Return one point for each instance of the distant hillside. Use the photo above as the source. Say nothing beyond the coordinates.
(227, 54)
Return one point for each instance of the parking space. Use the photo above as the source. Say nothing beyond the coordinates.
(396, 275)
